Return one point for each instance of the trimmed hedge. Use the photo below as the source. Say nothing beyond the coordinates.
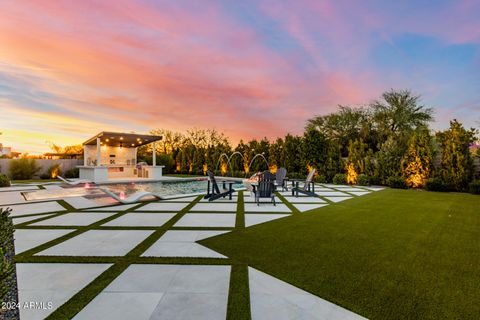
(4, 181)
(474, 187)
(363, 180)
(397, 182)
(72, 173)
(436, 184)
(340, 178)
(8, 280)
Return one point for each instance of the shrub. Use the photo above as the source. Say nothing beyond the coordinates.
(23, 169)
(4, 181)
(320, 179)
(436, 184)
(8, 285)
(167, 161)
(72, 173)
(44, 176)
(375, 180)
(474, 187)
(363, 180)
(397, 182)
(340, 178)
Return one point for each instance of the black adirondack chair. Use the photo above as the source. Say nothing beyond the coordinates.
(213, 190)
(281, 178)
(308, 187)
(265, 188)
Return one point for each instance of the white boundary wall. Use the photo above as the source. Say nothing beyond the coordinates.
(65, 164)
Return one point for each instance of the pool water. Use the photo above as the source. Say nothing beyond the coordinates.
(167, 188)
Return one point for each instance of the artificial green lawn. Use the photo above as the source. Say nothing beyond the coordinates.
(402, 254)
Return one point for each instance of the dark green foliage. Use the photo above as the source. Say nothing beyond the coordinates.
(457, 162)
(320, 179)
(72, 173)
(167, 161)
(437, 184)
(389, 157)
(397, 182)
(23, 169)
(340, 178)
(363, 180)
(7, 266)
(4, 181)
(474, 187)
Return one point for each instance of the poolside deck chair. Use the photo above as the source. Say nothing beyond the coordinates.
(134, 198)
(308, 187)
(214, 192)
(74, 182)
(265, 188)
(281, 178)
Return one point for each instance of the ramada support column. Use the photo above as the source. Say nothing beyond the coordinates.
(154, 155)
(99, 157)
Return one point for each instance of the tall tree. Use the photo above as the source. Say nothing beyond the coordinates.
(457, 163)
(399, 111)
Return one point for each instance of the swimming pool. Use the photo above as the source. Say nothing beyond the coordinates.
(162, 188)
(167, 188)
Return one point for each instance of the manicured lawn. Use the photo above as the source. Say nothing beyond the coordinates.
(401, 254)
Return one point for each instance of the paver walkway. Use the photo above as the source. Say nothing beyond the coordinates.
(95, 261)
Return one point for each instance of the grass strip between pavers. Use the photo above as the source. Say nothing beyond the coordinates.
(238, 307)
(74, 305)
(240, 218)
(288, 204)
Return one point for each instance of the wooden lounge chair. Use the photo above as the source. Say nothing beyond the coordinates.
(265, 188)
(281, 178)
(308, 187)
(214, 192)
(134, 198)
(74, 182)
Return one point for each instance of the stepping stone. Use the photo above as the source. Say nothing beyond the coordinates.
(374, 188)
(122, 207)
(351, 189)
(266, 207)
(29, 218)
(248, 198)
(234, 200)
(207, 220)
(11, 197)
(82, 203)
(184, 199)
(303, 199)
(337, 199)
(257, 218)
(359, 193)
(302, 207)
(181, 243)
(99, 243)
(163, 206)
(26, 239)
(280, 300)
(18, 188)
(331, 193)
(121, 305)
(39, 207)
(52, 282)
(138, 219)
(163, 292)
(215, 207)
(75, 219)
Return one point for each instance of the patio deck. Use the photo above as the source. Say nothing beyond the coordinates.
(111, 261)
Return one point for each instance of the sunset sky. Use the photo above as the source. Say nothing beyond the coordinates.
(69, 69)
